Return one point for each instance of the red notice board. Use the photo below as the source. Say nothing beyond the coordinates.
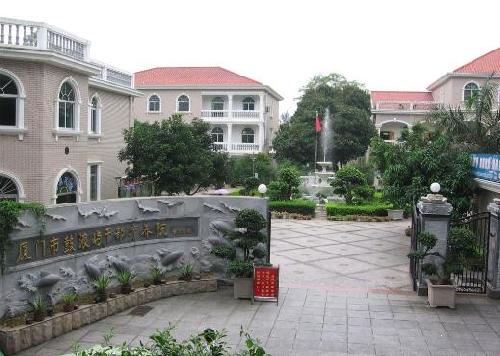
(266, 283)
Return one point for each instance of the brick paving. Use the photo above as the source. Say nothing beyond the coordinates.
(345, 289)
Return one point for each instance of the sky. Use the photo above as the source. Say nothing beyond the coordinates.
(386, 45)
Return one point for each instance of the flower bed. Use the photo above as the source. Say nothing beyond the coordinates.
(297, 206)
(18, 338)
(372, 209)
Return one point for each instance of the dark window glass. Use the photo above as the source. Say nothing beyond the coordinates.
(67, 188)
(247, 136)
(248, 104)
(183, 103)
(217, 134)
(154, 103)
(93, 182)
(7, 111)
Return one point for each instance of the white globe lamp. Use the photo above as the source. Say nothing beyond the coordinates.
(435, 188)
(262, 189)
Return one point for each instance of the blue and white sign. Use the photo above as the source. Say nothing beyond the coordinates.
(486, 166)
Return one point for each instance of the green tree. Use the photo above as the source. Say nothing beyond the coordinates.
(476, 127)
(350, 182)
(178, 157)
(349, 105)
(243, 167)
(409, 167)
(287, 183)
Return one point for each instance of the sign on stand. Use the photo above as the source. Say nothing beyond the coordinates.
(266, 283)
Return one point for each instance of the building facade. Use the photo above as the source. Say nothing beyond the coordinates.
(393, 111)
(243, 113)
(61, 116)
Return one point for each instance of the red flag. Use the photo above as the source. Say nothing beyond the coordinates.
(318, 123)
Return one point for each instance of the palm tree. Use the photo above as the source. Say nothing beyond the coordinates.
(476, 127)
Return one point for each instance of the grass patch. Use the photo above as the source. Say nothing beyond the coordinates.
(298, 206)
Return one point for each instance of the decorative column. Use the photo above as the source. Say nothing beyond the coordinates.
(230, 104)
(229, 136)
(435, 214)
(493, 277)
(261, 137)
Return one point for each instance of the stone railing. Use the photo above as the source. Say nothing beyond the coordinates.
(19, 33)
(231, 114)
(238, 147)
(114, 75)
(405, 105)
(245, 114)
(214, 113)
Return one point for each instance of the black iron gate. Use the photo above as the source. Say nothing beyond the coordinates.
(472, 279)
(415, 230)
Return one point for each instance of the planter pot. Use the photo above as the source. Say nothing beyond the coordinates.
(441, 295)
(395, 214)
(243, 288)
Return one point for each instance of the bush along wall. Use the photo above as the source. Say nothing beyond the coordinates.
(298, 206)
(374, 209)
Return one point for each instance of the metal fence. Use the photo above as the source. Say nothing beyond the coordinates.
(415, 270)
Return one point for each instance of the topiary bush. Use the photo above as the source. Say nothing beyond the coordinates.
(351, 183)
(298, 206)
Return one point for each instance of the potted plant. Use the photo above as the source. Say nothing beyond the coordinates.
(125, 279)
(69, 301)
(156, 275)
(39, 308)
(101, 284)
(187, 272)
(438, 268)
(245, 239)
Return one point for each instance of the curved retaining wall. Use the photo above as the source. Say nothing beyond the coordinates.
(81, 241)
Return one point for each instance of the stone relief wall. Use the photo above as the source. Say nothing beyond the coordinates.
(82, 241)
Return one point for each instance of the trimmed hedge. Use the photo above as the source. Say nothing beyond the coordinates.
(372, 209)
(298, 206)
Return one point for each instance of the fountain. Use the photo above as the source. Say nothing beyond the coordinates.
(319, 183)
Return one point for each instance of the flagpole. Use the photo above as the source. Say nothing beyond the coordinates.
(315, 143)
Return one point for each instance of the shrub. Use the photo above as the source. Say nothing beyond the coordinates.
(350, 182)
(240, 269)
(299, 206)
(224, 251)
(375, 209)
(287, 183)
(156, 274)
(251, 184)
(187, 272)
(125, 278)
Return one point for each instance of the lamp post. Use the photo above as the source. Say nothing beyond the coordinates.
(262, 190)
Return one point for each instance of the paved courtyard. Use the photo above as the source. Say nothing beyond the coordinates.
(344, 290)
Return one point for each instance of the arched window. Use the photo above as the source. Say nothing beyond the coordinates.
(247, 135)
(67, 189)
(248, 104)
(183, 103)
(9, 95)
(470, 90)
(8, 189)
(154, 103)
(67, 104)
(217, 134)
(95, 116)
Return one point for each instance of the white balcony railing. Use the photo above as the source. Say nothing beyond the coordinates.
(405, 105)
(19, 33)
(235, 114)
(238, 147)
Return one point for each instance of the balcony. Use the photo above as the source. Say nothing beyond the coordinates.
(20, 34)
(238, 148)
(404, 105)
(231, 115)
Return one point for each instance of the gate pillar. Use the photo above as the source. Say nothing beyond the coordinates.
(435, 214)
(493, 277)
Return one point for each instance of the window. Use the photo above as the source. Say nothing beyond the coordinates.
(95, 116)
(8, 101)
(8, 189)
(183, 103)
(470, 90)
(248, 104)
(67, 103)
(67, 189)
(247, 135)
(154, 103)
(94, 182)
(217, 107)
(217, 134)
(387, 135)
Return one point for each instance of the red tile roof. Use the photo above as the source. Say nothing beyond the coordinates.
(486, 64)
(191, 76)
(401, 96)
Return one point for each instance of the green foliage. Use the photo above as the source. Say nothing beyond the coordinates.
(177, 156)
(349, 106)
(38, 306)
(251, 220)
(287, 183)
(298, 206)
(187, 272)
(409, 167)
(101, 283)
(475, 128)
(156, 274)
(375, 209)
(125, 278)
(224, 251)
(351, 183)
(70, 298)
(209, 342)
(242, 167)
(9, 213)
(251, 183)
(221, 169)
(240, 269)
